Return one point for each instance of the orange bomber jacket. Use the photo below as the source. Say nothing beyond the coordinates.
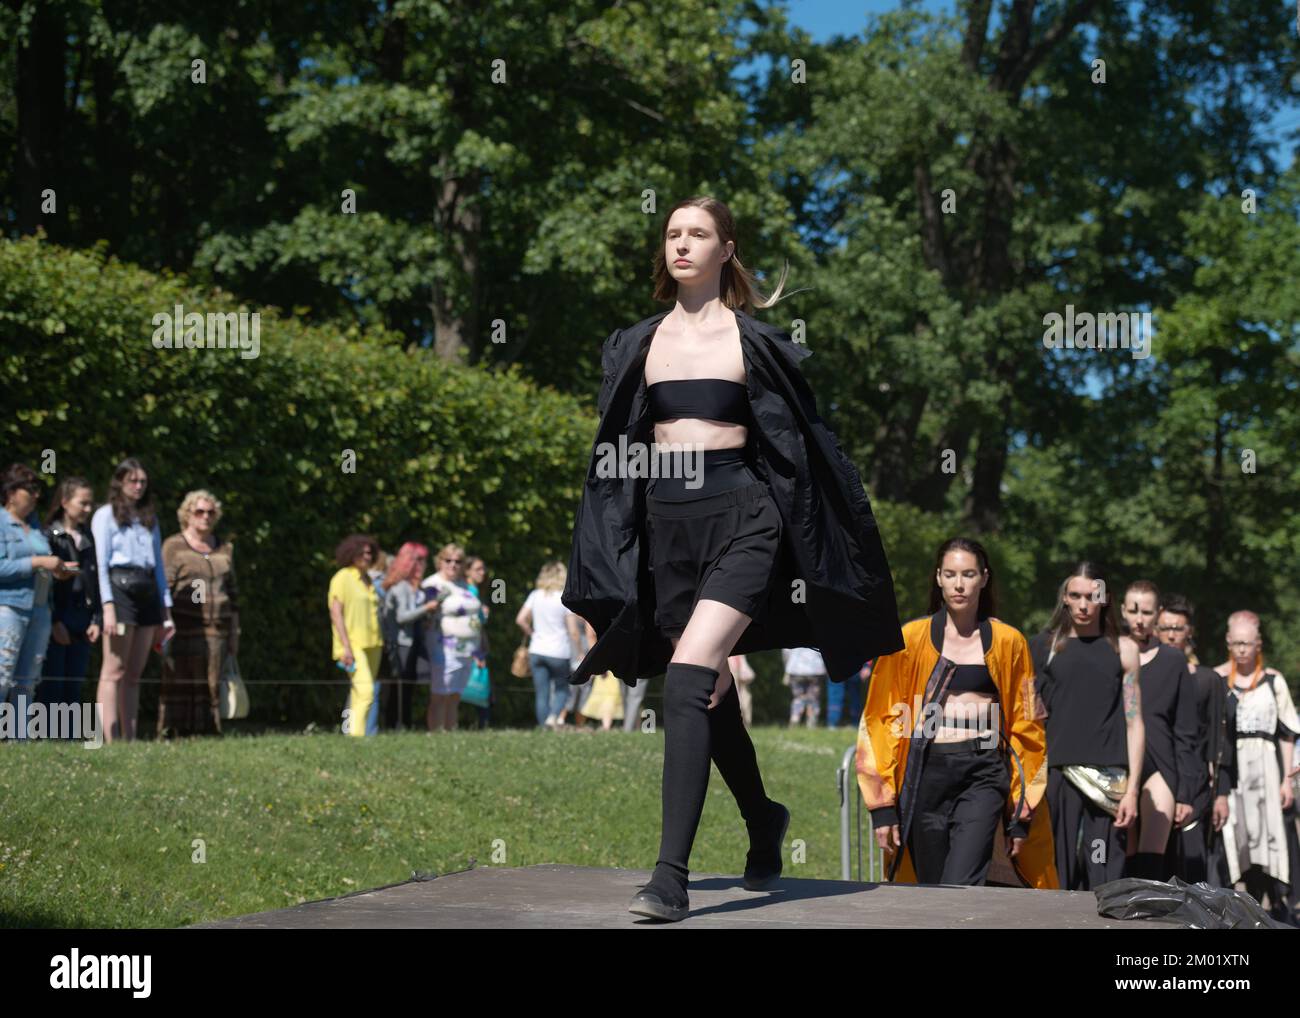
(896, 706)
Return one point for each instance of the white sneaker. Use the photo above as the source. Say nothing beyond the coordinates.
(550, 722)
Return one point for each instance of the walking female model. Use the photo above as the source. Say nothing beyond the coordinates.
(755, 533)
(951, 744)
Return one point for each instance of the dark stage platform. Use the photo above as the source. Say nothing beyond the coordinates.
(576, 897)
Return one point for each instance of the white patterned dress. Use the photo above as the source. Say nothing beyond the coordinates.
(458, 632)
(1264, 714)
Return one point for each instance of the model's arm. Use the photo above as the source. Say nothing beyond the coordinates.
(1135, 729)
(886, 722)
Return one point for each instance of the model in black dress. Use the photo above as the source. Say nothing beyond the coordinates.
(1088, 680)
(713, 533)
(1170, 768)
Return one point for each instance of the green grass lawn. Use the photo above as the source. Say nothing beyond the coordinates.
(106, 837)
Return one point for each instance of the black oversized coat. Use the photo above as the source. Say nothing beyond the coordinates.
(844, 605)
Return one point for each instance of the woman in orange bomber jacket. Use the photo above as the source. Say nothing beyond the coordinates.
(932, 761)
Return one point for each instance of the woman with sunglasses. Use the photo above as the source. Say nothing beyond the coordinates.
(133, 591)
(201, 575)
(458, 628)
(358, 642)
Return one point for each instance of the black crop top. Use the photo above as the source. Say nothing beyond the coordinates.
(713, 399)
(973, 679)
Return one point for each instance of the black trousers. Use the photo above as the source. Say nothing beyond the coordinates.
(959, 806)
(1089, 847)
(1188, 854)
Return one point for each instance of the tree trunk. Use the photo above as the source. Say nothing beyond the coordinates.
(39, 94)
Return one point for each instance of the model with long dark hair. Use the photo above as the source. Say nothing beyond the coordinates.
(951, 746)
(754, 532)
(1088, 679)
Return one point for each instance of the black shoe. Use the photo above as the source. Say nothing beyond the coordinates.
(763, 864)
(661, 900)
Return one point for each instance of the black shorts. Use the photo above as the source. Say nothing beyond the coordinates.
(721, 547)
(135, 596)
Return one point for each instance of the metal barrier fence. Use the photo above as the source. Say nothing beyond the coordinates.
(846, 780)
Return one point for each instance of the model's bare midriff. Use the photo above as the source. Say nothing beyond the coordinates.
(676, 355)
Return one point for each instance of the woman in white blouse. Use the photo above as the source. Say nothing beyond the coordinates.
(553, 634)
(133, 592)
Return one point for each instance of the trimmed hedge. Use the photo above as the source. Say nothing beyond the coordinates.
(442, 452)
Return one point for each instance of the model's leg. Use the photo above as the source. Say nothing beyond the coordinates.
(1066, 832)
(976, 817)
(693, 683)
(1156, 812)
(928, 839)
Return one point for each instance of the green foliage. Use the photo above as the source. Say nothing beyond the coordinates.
(443, 453)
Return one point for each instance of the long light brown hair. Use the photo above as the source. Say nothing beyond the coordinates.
(737, 286)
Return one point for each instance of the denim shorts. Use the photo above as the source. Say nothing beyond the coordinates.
(721, 547)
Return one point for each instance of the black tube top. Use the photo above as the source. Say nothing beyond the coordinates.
(973, 679)
(713, 399)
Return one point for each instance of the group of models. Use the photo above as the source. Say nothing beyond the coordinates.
(1135, 746)
(968, 727)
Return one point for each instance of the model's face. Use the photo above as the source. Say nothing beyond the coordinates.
(961, 580)
(1174, 630)
(365, 559)
(1243, 644)
(476, 573)
(1084, 598)
(692, 248)
(1140, 614)
(76, 510)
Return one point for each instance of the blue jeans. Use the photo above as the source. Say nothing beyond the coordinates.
(372, 715)
(23, 639)
(66, 667)
(844, 698)
(550, 685)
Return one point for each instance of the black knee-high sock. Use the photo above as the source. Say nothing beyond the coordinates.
(733, 752)
(687, 689)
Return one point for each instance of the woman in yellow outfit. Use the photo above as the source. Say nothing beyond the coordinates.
(932, 763)
(354, 614)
